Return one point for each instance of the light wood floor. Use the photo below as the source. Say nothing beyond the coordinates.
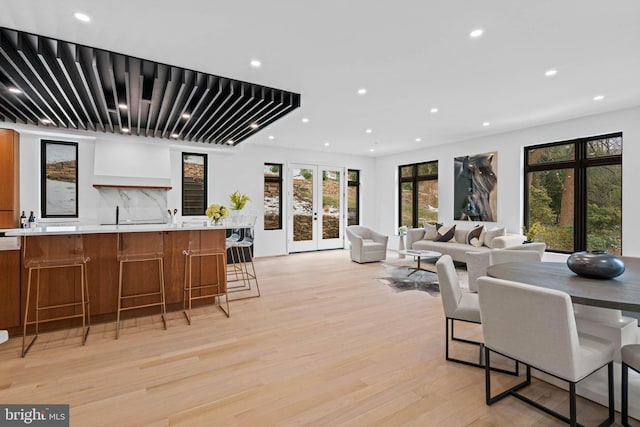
(327, 344)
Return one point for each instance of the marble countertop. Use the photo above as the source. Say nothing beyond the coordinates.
(133, 228)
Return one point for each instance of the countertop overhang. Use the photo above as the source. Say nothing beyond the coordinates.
(97, 229)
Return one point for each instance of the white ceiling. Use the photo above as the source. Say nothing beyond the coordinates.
(410, 55)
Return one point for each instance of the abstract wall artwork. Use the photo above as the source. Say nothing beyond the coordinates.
(475, 187)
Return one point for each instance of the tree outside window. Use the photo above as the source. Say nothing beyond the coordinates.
(573, 189)
(418, 193)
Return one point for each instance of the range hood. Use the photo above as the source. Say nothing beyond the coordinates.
(118, 163)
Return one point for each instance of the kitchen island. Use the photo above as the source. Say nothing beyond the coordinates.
(100, 244)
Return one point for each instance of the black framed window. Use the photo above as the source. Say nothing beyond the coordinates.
(194, 184)
(353, 197)
(573, 192)
(59, 179)
(272, 196)
(418, 193)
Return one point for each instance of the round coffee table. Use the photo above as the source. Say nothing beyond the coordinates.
(420, 255)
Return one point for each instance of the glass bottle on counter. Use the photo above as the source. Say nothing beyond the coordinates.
(23, 220)
(32, 220)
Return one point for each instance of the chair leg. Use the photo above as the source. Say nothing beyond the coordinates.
(119, 301)
(25, 349)
(572, 404)
(163, 306)
(88, 300)
(624, 413)
(481, 363)
(612, 409)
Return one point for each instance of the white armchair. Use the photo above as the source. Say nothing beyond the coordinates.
(367, 245)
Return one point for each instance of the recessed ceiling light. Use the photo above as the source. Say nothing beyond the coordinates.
(476, 33)
(230, 142)
(253, 126)
(598, 97)
(372, 150)
(82, 17)
(551, 72)
(174, 135)
(255, 63)
(418, 139)
(368, 131)
(186, 115)
(125, 130)
(271, 137)
(485, 124)
(362, 91)
(45, 121)
(305, 120)
(123, 106)
(326, 144)
(14, 90)
(433, 110)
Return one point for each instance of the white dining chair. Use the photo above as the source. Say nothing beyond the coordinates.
(478, 262)
(460, 306)
(536, 326)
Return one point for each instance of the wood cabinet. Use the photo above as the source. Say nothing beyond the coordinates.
(10, 178)
(10, 289)
(62, 285)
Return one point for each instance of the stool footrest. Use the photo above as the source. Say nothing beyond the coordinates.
(150, 294)
(154, 304)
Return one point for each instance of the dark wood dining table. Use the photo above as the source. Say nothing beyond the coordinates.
(622, 292)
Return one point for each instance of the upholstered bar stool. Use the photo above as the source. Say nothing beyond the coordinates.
(147, 248)
(211, 261)
(630, 359)
(242, 255)
(55, 252)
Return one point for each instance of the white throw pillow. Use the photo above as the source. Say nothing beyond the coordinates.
(489, 235)
(430, 231)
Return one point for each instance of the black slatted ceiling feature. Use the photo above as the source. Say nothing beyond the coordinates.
(66, 85)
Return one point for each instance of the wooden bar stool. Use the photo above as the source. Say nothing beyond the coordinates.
(211, 261)
(56, 252)
(145, 247)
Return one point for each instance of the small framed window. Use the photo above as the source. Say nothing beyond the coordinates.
(194, 184)
(59, 179)
(353, 197)
(272, 196)
(418, 193)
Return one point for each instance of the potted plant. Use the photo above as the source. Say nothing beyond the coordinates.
(216, 213)
(238, 200)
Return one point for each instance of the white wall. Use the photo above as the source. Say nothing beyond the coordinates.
(509, 147)
(242, 168)
(239, 169)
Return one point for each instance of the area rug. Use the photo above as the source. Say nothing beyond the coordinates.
(398, 278)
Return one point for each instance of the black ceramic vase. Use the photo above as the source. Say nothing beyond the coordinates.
(596, 264)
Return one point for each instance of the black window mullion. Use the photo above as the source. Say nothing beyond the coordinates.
(580, 198)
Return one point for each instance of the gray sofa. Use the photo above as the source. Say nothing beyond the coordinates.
(458, 247)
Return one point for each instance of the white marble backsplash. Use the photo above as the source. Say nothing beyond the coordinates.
(136, 205)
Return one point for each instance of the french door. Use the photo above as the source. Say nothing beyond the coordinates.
(316, 207)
